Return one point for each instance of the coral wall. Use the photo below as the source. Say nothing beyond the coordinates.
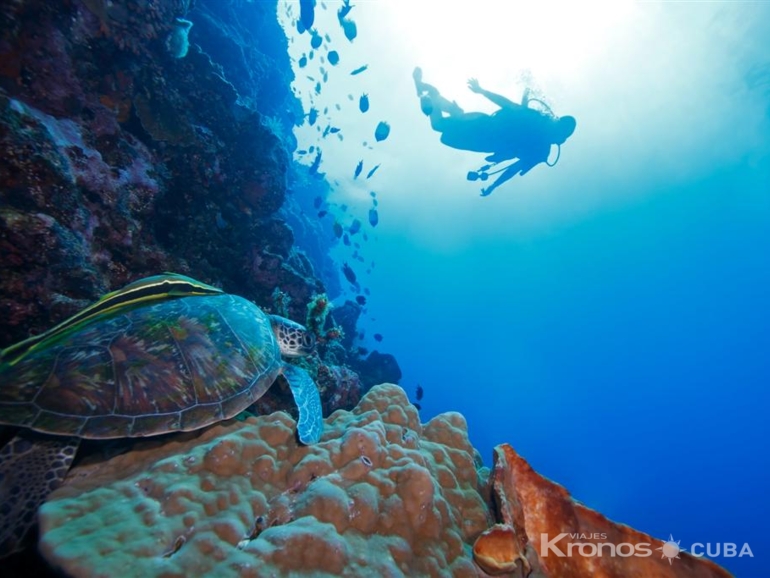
(121, 160)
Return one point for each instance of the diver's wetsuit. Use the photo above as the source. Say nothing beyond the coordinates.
(508, 133)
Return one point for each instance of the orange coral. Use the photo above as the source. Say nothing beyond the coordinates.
(538, 510)
(497, 552)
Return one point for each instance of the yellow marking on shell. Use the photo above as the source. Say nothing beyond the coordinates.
(168, 285)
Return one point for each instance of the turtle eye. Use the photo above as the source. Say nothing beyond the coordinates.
(308, 340)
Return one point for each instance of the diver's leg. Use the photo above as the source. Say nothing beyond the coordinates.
(438, 121)
(510, 172)
(437, 102)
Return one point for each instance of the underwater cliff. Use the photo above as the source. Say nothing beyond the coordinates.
(125, 158)
(143, 137)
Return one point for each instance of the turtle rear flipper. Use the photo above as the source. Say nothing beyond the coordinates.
(310, 424)
(31, 467)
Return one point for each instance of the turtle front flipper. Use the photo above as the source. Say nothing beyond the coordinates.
(31, 467)
(310, 423)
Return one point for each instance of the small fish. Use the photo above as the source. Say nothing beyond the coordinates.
(337, 229)
(317, 202)
(366, 237)
(312, 116)
(346, 239)
(318, 88)
(375, 202)
(326, 110)
(419, 393)
(325, 77)
(382, 131)
(349, 274)
(374, 217)
(359, 70)
(302, 62)
(355, 226)
(360, 299)
(363, 103)
(360, 259)
(343, 208)
(311, 149)
(334, 57)
(377, 337)
(316, 40)
(417, 406)
(307, 13)
(326, 131)
(316, 163)
(322, 214)
(334, 130)
(371, 193)
(366, 291)
(362, 351)
(359, 168)
(344, 9)
(349, 28)
(370, 173)
(302, 152)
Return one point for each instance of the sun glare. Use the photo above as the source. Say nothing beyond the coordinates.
(498, 40)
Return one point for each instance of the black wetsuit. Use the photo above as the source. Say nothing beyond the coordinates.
(509, 133)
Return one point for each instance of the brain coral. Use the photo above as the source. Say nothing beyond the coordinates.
(380, 495)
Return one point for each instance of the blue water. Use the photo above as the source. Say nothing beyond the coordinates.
(608, 317)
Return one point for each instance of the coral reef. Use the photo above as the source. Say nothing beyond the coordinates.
(377, 368)
(122, 161)
(346, 316)
(129, 150)
(340, 387)
(381, 495)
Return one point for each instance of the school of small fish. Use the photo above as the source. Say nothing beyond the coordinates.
(345, 228)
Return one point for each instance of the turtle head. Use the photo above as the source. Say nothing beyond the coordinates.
(293, 339)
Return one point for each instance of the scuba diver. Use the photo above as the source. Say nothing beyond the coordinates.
(515, 131)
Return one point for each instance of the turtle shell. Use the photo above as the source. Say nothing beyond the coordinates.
(173, 365)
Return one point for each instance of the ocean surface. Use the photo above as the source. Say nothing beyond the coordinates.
(609, 316)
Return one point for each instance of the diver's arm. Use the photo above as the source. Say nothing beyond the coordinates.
(497, 99)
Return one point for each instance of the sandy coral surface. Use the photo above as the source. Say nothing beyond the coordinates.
(380, 495)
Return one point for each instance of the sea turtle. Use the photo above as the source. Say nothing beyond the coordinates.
(163, 354)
